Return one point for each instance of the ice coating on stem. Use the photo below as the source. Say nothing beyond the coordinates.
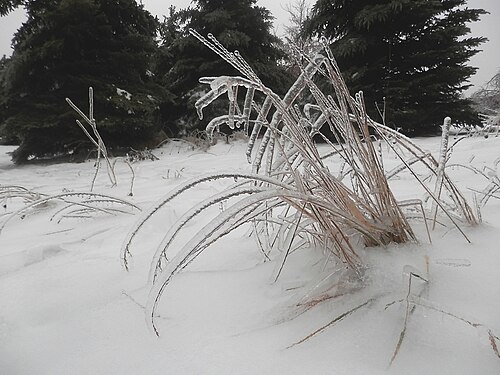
(232, 94)
(308, 107)
(167, 240)
(443, 155)
(283, 106)
(219, 86)
(220, 120)
(247, 108)
(127, 243)
(208, 98)
(261, 118)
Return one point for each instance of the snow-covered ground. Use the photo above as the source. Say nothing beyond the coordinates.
(67, 306)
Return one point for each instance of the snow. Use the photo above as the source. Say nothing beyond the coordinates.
(124, 93)
(68, 307)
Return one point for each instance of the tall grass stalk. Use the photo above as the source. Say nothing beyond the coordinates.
(95, 138)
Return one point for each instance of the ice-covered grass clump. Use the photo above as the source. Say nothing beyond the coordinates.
(293, 199)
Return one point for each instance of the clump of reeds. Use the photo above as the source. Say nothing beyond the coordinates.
(291, 197)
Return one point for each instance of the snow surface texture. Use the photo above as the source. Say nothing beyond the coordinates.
(68, 307)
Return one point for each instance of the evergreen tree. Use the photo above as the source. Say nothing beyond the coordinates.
(298, 44)
(7, 6)
(170, 31)
(66, 46)
(3, 68)
(238, 25)
(407, 56)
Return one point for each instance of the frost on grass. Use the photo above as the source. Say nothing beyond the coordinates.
(59, 207)
(291, 199)
(95, 137)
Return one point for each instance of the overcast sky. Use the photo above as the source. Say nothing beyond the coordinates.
(488, 61)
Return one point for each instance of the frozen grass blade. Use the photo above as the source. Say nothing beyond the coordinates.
(96, 139)
(90, 201)
(332, 322)
(126, 247)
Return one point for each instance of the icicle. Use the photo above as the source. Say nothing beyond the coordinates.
(218, 86)
(208, 98)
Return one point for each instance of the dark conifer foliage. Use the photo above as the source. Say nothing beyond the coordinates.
(8, 5)
(66, 46)
(4, 60)
(238, 25)
(412, 54)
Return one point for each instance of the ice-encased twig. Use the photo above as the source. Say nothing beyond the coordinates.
(219, 86)
(283, 105)
(259, 122)
(443, 156)
(187, 217)
(97, 141)
(247, 108)
(208, 98)
(218, 121)
(63, 198)
(125, 251)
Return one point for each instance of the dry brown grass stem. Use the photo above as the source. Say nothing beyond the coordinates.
(332, 322)
(410, 309)
(493, 343)
(418, 301)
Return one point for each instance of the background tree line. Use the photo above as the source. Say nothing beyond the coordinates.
(408, 56)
